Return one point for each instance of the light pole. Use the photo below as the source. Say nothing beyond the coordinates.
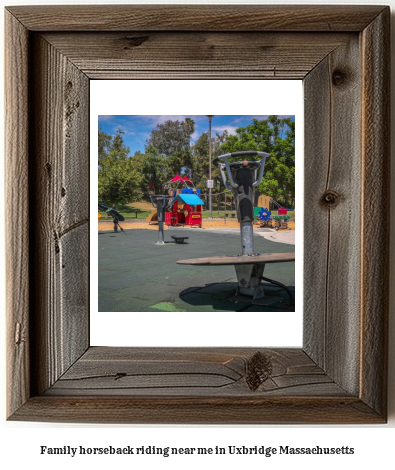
(210, 181)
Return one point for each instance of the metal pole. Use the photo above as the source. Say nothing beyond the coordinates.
(160, 211)
(209, 168)
(225, 209)
(247, 238)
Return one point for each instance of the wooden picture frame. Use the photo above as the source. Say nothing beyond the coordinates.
(340, 373)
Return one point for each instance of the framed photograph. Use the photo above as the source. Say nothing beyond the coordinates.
(339, 375)
(139, 264)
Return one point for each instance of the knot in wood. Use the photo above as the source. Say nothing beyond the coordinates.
(259, 369)
(135, 41)
(18, 334)
(330, 199)
(340, 77)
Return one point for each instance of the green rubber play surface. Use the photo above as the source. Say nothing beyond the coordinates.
(137, 275)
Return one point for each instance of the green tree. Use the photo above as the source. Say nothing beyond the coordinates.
(172, 139)
(104, 143)
(276, 137)
(119, 177)
(199, 169)
(152, 166)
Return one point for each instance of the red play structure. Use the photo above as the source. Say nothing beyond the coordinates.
(186, 206)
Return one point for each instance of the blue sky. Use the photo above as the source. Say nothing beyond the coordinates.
(137, 128)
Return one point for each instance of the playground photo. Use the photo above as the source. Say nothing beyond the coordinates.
(196, 214)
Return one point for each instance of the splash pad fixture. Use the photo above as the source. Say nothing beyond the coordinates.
(116, 216)
(241, 178)
(161, 203)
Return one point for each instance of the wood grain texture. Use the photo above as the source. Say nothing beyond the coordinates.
(317, 149)
(198, 410)
(60, 179)
(333, 192)
(196, 17)
(191, 372)
(376, 199)
(196, 55)
(339, 376)
(17, 190)
(121, 385)
(344, 180)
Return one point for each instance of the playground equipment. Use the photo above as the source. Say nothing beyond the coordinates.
(178, 238)
(116, 216)
(281, 220)
(160, 202)
(264, 215)
(242, 177)
(174, 208)
(185, 207)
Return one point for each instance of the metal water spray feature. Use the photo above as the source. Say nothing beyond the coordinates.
(160, 203)
(241, 178)
(116, 216)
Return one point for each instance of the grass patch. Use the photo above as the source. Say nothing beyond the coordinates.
(128, 211)
(206, 214)
(167, 307)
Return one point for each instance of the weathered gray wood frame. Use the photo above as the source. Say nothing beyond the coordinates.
(342, 54)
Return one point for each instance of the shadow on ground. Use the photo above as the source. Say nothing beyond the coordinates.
(224, 294)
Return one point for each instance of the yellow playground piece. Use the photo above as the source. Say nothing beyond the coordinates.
(152, 217)
(99, 216)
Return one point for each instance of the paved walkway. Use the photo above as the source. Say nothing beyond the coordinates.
(282, 236)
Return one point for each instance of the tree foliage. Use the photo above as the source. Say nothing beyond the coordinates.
(169, 151)
(153, 170)
(172, 140)
(104, 143)
(199, 169)
(276, 137)
(119, 176)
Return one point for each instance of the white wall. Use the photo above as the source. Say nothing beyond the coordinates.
(20, 442)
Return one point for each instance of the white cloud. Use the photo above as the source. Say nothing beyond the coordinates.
(195, 135)
(108, 119)
(230, 129)
(153, 120)
(126, 130)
